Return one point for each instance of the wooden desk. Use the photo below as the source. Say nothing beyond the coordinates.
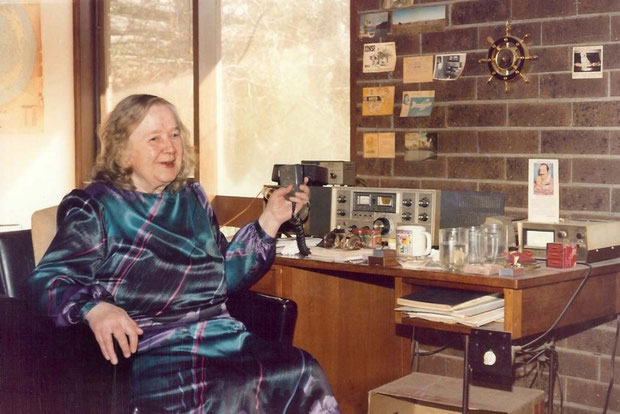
(346, 317)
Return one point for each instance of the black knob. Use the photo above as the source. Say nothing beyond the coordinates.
(423, 217)
(341, 212)
(341, 199)
(406, 216)
(407, 202)
(424, 202)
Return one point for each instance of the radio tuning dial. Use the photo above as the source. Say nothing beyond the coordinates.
(341, 212)
(562, 234)
(341, 199)
(423, 202)
(406, 216)
(407, 202)
(382, 224)
(423, 217)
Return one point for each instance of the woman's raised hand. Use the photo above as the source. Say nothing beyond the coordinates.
(108, 321)
(279, 209)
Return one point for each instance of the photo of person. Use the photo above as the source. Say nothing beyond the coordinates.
(543, 183)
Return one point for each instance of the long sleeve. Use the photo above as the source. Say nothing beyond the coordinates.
(248, 256)
(63, 284)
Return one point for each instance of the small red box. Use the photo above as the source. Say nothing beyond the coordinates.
(562, 255)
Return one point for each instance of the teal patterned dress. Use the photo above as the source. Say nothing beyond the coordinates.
(162, 258)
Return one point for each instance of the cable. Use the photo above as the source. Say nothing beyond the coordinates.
(242, 211)
(300, 236)
(555, 323)
(612, 361)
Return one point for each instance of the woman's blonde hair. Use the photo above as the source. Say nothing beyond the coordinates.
(112, 165)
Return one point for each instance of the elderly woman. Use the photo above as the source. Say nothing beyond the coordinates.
(139, 256)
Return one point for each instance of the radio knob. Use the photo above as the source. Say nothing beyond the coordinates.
(579, 235)
(423, 202)
(341, 212)
(341, 199)
(333, 175)
(423, 217)
(382, 224)
(407, 202)
(562, 234)
(406, 216)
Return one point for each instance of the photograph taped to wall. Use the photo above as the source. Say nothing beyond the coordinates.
(379, 145)
(418, 69)
(379, 57)
(419, 20)
(587, 62)
(397, 4)
(374, 25)
(543, 191)
(449, 67)
(21, 72)
(420, 146)
(417, 103)
(378, 101)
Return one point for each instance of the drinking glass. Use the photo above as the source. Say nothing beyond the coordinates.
(476, 245)
(494, 242)
(453, 248)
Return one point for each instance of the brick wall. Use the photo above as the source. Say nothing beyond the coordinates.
(485, 138)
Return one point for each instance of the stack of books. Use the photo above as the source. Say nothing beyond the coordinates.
(453, 306)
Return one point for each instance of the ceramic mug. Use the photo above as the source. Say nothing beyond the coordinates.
(413, 241)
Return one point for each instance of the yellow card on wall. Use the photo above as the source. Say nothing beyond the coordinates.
(379, 145)
(378, 101)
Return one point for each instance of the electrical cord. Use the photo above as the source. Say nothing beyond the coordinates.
(559, 318)
(612, 362)
(300, 236)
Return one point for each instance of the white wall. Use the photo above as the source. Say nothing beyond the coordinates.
(37, 170)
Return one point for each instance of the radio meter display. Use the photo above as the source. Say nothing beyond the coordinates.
(385, 201)
(375, 202)
(363, 199)
(538, 239)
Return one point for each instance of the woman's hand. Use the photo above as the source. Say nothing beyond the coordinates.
(107, 321)
(279, 209)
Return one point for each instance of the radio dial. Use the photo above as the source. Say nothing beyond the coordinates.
(562, 234)
(341, 199)
(407, 202)
(423, 202)
(579, 235)
(341, 212)
(423, 217)
(382, 224)
(406, 216)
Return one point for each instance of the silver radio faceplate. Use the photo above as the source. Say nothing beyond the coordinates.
(385, 208)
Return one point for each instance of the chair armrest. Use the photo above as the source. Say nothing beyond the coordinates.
(271, 317)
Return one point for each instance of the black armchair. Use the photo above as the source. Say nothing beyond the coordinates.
(48, 370)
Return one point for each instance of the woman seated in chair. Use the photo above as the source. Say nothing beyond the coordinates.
(139, 256)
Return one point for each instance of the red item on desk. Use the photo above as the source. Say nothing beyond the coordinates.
(562, 255)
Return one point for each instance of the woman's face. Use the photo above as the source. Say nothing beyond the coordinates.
(155, 150)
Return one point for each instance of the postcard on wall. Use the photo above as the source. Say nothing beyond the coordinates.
(587, 62)
(417, 103)
(378, 101)
(419, 20)
(543, 201)
(397, 4)
(420, 146)
(379, 145)
(379, 57)
(374, 25)
(418, 69)
(449, 67)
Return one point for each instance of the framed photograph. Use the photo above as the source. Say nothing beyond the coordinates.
(587, 62)
(543, 191)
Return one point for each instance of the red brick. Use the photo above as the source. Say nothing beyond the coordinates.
(450, 185)
(543, 114)
(426, 168)
(561, 85)
(517, 169)
(470, 12)
(400, 183)
(437, 119)
(596, 113)
(575, 141)
(551, 59)
(598, 6)
(458, 40)
(373, 166)
(476, 115)
(518, 88)
(584, 198)
(366, 4)
(456, 90)
(614, 142)
(473, 67)
(511, 142)
(487, 168)
(596, 171)
(614, 84)
(527, 9)
(457, 141)
(406, 44)
(615, 28)
(576, 30)
(516, 194)
(371, 121)
(611, 56)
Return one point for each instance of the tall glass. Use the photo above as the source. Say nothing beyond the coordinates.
(453, 248)
(495, 242)
(476, 242)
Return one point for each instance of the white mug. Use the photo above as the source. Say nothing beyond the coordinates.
(413, 241)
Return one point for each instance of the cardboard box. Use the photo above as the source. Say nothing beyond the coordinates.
(420, 393)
